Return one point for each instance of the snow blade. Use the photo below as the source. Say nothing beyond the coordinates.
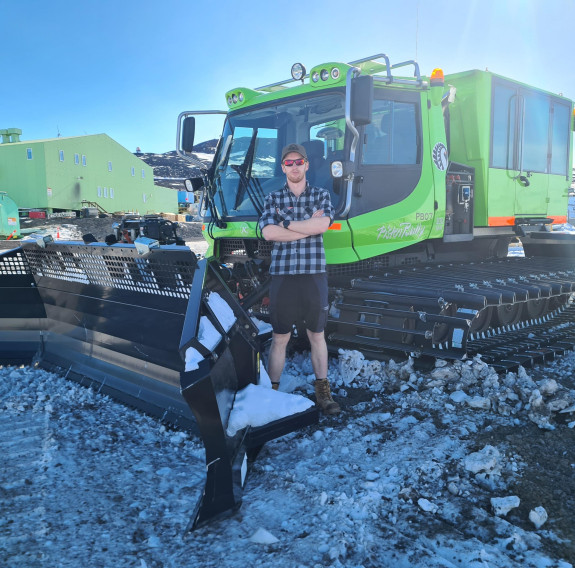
(125, 322)
(210, 391)
(22, 311)
(103, 315)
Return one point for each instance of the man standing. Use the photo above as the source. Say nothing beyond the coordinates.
(295, 218)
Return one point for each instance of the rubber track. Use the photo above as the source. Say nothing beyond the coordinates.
(427, 310)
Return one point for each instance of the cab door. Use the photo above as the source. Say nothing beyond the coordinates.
(390, 154)
(531, 179)
(519, 151)
(382, 214)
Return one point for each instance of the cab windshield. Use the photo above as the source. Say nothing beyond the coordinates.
(247, 165)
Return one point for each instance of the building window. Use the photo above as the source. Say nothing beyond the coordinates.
(105, 192)
(83, 160)
(61, 152)
(133, 171)
(143, 196)
(109, 166)
(111, 193)
(76, 159)
(29, 153)
(99, 191)
(143, 173)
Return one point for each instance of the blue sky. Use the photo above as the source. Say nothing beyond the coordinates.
(128, 68)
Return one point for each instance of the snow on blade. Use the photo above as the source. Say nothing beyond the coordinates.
(257, 405)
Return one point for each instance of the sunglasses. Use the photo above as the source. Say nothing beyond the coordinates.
(290, 163)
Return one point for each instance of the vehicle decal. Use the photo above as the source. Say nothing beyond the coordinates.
(440, 156)
(401, 231)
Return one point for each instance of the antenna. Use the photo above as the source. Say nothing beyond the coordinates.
(58, 129)
(416, 27)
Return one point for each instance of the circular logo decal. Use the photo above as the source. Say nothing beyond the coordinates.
(440, 156)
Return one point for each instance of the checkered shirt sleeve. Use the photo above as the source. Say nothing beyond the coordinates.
(307, 255)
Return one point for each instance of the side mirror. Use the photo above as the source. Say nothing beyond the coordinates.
(188, 133)
(361, 99)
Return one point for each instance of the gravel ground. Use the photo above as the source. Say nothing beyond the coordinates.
(546, 456)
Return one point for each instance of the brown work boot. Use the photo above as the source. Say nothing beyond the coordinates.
(323, 397)
(275, 386)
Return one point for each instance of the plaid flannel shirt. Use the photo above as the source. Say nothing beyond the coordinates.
(305, 256)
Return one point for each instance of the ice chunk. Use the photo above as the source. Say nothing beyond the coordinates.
(427, 505)
(261, 536)
(350, 365)
(548, 387)
(479, 402)
(458, 396)
(502, 505)
(484, 460)
(538, 517)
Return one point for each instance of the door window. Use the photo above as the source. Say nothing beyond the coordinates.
(391, 137)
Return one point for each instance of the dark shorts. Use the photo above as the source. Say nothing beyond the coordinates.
(298, 298)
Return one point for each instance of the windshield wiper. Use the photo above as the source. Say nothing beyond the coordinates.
(216, 187)
(215, 216)
(246, 183)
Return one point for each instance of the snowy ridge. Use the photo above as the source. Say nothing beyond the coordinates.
(406, 476)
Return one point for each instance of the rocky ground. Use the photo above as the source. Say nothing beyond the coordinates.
(540, 454)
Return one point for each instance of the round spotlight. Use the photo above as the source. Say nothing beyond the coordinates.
(324, 75)
(241, 97)
(234, 98)
(297, 72)
(315, 77)
(335, 73)
(230, 100)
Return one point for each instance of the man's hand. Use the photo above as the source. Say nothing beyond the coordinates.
(317, 224)
(278, 233)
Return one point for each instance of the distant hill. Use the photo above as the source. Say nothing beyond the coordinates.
(170, 169)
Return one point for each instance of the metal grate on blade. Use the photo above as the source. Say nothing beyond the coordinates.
(149, 275)
(14, 263)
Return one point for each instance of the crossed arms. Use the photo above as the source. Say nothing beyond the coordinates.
(317, 224)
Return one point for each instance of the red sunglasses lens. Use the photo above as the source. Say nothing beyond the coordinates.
(298, 162)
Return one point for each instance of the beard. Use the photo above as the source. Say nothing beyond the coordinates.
(296, 176)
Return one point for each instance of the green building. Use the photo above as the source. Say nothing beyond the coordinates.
(60, 174)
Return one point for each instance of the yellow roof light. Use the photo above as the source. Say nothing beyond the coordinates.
(437, 78)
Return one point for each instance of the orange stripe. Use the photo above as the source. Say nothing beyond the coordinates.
(335, 227)
(559, 219)
(500, 221)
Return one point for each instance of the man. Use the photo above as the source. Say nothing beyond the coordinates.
(295, 218)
